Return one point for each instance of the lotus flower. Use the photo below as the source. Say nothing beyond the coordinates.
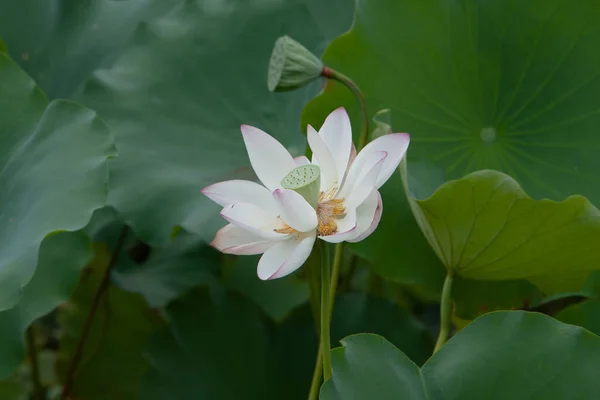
(333, 197)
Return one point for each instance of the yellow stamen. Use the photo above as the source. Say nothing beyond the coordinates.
(286, 229)
(327, 211)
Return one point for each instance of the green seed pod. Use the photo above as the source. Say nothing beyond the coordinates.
(291, 66)
(306, 181)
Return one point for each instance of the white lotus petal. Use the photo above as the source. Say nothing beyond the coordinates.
(362, 178)
(285, 257)
(336, 132)
(301, 160)
(232, 239)
(346, 227)
(368, 215)
(295, 211)
(395, 145)
(254, 219)
(239, 191)
(270, 160)
(323, 158)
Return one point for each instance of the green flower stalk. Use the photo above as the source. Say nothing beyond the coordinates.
(292, 66)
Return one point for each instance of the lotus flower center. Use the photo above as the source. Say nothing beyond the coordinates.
(327, 212)
(306, 181)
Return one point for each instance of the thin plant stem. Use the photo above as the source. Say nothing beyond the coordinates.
(325, 310)
(315, 384)
(337, 263)
(445, 312)
(38, 388)
(335, 274)
(349, 83)
(329, 281)
(69, 380)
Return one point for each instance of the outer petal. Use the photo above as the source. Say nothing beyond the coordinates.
(239, 191)
(395, 145)
(323, 157)
(346, 228)
(270, 160)
(337, 134)
(362, 178)
(301, 160)
(232, 239)
(285, 257)
(253, 219)
(295, 211)
(368, 216)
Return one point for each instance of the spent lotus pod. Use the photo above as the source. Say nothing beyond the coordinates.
(292, 66)
(333, 197)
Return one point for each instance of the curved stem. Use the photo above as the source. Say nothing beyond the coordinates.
(349, 83)
(335, 274)
(325, 310)
(315, 384)
(69, 380)
(445, 312)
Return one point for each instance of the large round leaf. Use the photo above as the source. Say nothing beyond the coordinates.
(61, 258)
(484, 226)
(212, 342)
(179, 92)
(53, 173)
(502, 355)
(397, 250)
(505, 85)
(61, 42)
(586, 314)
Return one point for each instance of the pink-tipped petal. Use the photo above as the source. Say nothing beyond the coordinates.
(368, 216)
(295, 211)
(395, 144)
(301, 160)
(270, 160)
(362, 178)
(337, 134)
(323, 157)
(353, 154)
(285, 257)
(253, 219)
(232, 239)
(346, 227)
(239, 191)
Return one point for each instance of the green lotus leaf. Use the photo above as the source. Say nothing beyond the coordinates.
(268, 361)
(59, 43)
(502, 85)
(502, 355)
(484, 226)
(53, 173)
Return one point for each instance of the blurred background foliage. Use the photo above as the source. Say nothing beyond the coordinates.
(508, 87)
